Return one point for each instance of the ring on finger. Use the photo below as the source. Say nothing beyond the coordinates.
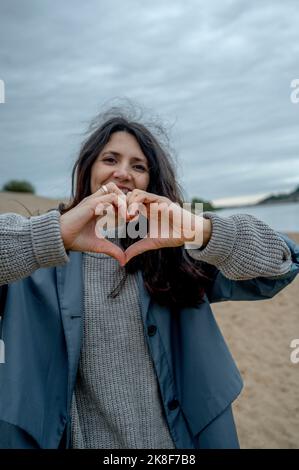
(104, 189)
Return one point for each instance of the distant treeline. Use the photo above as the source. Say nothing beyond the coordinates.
(207, 205)
(293, 196)
(19, 186)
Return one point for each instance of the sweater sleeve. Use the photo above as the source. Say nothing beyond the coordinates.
(243, 247)
(27, 244)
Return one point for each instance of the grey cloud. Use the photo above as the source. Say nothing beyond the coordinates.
(218, 73)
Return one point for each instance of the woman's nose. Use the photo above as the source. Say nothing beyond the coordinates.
(122, 172)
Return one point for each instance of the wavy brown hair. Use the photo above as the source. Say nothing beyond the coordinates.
(170, 275)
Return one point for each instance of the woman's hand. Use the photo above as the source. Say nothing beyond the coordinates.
(78, 225)
(169, 225)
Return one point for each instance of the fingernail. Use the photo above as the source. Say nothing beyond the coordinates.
(131, 211)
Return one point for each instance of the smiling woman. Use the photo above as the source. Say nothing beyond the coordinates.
(117, 163)
(127, 154)
(122, 348)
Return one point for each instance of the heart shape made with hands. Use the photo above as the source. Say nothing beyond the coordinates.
(155, 234)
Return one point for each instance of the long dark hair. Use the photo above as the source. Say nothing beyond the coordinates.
(171, 276)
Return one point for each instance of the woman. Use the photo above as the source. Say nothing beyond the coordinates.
(114, 344)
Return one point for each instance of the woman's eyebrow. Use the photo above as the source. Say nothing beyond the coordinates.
(111, 151)
(117, 154)
(139, 159)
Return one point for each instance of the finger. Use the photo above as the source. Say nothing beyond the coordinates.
(137, 249)
(114, 199)
(136, 209)
(140, 195)
(93, 201)
(144, 201)
(120, 202)
(147, 207)
(132, 195)
(111, 188)
(115, 251)
(102, 208)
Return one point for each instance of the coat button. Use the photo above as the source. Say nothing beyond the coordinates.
(173, 404)
(152, 329)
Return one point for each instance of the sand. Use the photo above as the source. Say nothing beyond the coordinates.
(15, 202)
(259, 336)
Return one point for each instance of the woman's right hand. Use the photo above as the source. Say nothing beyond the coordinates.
(78, 224)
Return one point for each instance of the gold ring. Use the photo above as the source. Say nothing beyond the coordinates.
(105, 189)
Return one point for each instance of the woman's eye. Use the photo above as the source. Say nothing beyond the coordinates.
(140, 167)
(112, 160)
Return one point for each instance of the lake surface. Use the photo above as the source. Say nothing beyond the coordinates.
(282, 217)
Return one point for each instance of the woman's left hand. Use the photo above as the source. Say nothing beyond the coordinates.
(169, 225)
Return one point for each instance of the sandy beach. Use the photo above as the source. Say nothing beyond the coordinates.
(259, 336)
(26, 204)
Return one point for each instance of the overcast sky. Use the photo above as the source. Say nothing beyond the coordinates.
(217, 73)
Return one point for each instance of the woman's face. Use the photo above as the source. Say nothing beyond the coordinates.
(121, 162)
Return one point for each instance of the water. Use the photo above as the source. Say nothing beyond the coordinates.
(281, 217)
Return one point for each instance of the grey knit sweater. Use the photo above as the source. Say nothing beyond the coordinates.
(116, 402)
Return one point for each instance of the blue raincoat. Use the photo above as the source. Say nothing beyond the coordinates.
(42, 333)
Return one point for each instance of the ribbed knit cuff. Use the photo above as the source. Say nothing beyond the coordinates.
(221, 243)
(244, 247)
(46, 238)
